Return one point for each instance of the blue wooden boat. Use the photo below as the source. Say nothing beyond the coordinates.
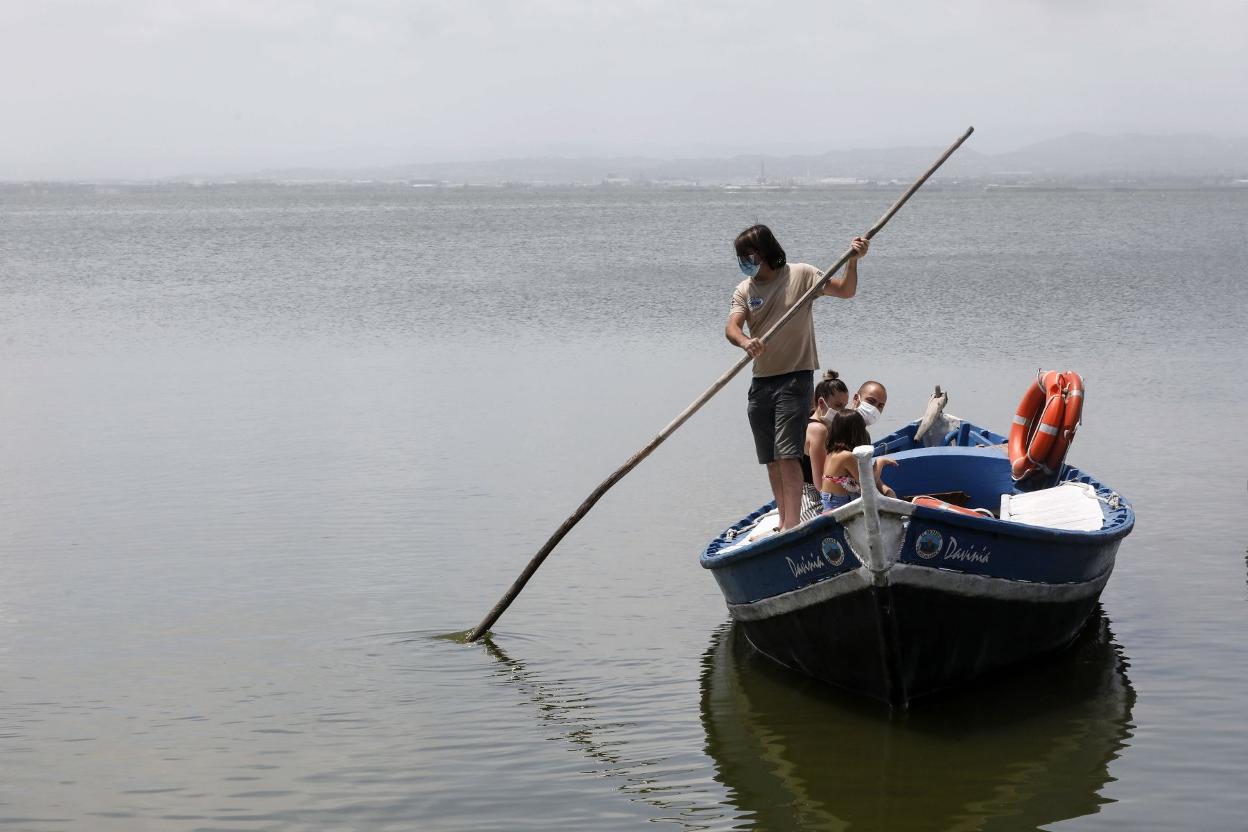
(897, 600)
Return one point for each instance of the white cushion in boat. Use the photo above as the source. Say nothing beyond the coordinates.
(1071, 505)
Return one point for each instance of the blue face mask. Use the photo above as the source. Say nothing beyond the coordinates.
(748, 267)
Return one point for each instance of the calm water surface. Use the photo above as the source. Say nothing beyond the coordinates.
(260, 447)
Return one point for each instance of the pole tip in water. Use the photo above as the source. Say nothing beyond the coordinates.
(459, 637)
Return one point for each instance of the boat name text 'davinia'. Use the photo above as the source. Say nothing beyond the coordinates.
(806, 565)
(832, 551)
(975, 554)
(931, 543)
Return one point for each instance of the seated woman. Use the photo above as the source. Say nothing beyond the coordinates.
(831, 395)
(846, 431)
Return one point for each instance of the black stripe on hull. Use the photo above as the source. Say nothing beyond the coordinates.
(898, 643)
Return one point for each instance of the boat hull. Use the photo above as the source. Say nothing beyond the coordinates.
(902, 642)
(902, 601)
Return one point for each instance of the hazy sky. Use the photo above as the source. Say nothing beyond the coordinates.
(134, 88)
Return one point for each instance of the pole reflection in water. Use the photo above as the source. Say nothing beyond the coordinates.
(1016, 753)
(661, 771)
(558, 708)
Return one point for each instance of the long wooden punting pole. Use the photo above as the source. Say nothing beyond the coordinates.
(636, 458)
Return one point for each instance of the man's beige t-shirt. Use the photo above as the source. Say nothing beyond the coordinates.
(793, 347)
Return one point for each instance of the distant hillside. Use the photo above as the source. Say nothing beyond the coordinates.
(1085, 154)
(1077, 156)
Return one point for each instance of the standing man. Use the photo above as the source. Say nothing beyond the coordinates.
(783, 385)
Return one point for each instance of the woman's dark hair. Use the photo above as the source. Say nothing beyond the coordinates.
(758, 239)
(847, 430)
(827, 387)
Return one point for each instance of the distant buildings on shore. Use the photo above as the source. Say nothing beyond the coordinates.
(998, 181)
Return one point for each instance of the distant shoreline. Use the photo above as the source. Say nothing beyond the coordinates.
(416, 186)
(1078, 160)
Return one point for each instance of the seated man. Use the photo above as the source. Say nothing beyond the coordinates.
(869, 401)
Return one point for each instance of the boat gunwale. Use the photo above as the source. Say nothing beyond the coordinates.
(1118, 522)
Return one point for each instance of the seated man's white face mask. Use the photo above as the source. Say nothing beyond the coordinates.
(870, 414)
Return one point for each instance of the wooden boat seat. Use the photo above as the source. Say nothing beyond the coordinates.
(1070, 505)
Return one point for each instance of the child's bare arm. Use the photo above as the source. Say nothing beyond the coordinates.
(880, 465)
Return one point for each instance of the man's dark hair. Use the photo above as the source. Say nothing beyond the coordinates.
(758, 239)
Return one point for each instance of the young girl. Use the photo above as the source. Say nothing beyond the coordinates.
(846, 431)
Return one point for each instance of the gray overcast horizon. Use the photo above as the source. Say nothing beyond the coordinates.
(153, 88)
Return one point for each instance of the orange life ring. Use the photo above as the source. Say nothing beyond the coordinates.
(1037, 423)
(1072, 394)
(932, 502)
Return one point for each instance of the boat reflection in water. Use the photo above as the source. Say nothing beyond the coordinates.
(1015, 753)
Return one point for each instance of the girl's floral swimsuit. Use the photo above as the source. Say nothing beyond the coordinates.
(831, 501)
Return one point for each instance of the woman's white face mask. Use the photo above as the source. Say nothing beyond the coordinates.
(824, 408)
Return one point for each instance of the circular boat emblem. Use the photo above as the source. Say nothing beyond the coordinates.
(832, 551)
(929, 544)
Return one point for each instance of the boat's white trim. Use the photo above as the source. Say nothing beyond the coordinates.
(765, 526)
(798, 599)
(888, 540)
(984, 586)
(871, 544)
(886, 505)
(926, 577)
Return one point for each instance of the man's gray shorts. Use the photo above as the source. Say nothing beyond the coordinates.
(779, 407)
